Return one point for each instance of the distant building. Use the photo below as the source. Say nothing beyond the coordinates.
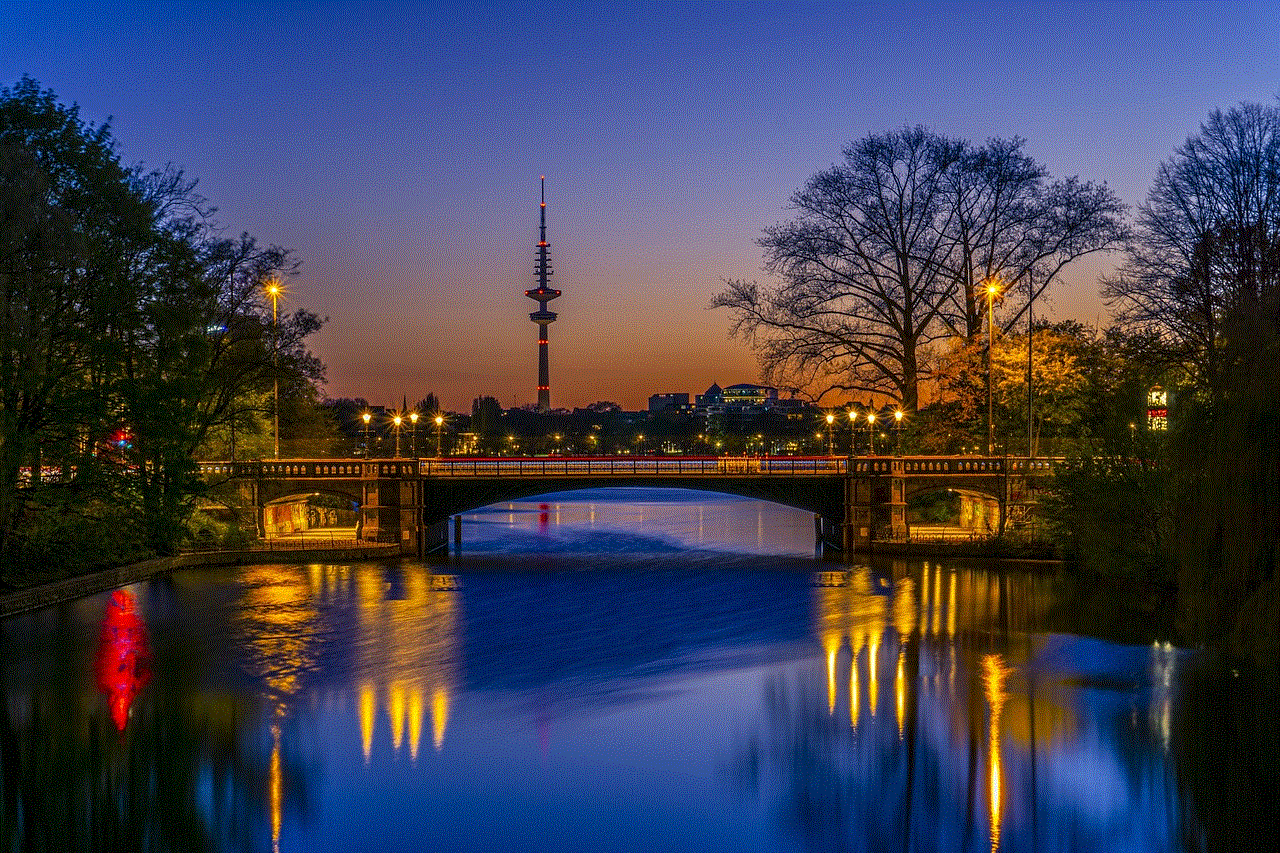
(714, 398)
(750, 397)
(668, 402)
(743, 398)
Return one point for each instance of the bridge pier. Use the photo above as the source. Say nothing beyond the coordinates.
(391, 510)
(875, 503)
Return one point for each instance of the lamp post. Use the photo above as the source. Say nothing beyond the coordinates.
(413, 435)
(871, 433)
(274, 289)
(1031, 328)
(396, 419)
(992, 290)
(897, 431)
(439, 424)
(831, 447)
(366, 417)
(853, 420)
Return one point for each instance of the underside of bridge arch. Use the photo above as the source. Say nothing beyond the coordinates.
(986, 488)
(443, 498)
(980, 507)
(278, 491)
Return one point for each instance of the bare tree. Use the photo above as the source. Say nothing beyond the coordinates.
(892, 249)
(862, 272)
(1208, 239)
(1010, 224)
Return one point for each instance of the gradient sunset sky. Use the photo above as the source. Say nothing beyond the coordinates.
(396, 149)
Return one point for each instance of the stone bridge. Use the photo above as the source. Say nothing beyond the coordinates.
(410, 501)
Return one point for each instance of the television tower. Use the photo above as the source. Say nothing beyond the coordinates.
(543, 294)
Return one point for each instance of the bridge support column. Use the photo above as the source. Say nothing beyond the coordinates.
(875, 504)
(392, 507)
(828, 538)
(435, 540)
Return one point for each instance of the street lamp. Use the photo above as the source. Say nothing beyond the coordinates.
(396, 419)
(992, 289)
(853, 419)
(871, 433)
(413, 435)
(831, 447)
(439, 424)
(273, 288)
(897, 431)
(366, 417)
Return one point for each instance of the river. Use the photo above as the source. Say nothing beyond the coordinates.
(623, 670)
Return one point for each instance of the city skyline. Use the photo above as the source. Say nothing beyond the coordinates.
(394, 149)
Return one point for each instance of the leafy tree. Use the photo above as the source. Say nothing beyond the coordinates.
(73, 230)
(125, 312)
(428, 406)
(486, 417)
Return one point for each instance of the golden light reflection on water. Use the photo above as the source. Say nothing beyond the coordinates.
(404, 649)
(937, 629)
(277, 790)
(900, 690)
(410, 645)
(833, 645)
(276, 624)
(993, 676)
(368, 709)
(439, 717)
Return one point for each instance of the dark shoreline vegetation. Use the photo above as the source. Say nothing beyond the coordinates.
(135, 338)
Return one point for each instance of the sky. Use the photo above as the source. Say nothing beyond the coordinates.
(396, 149)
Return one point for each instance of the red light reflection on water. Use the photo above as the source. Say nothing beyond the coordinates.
(544, 517)
(122, 665)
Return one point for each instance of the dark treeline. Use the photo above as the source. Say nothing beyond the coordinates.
(132, 334)
(1198, 514)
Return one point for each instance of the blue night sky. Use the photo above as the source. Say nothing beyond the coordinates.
(396, 149)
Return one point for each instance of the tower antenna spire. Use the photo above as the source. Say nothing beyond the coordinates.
(543, 294)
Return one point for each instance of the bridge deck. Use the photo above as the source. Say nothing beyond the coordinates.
(631, 467)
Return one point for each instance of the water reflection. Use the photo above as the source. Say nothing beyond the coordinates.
(1000, 737)
(406, 652)
(124, 655)
(905, 707)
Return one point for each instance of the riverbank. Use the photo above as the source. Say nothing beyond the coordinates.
(985, 549)
(44, 595)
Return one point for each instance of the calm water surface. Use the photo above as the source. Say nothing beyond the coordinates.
(619, 670)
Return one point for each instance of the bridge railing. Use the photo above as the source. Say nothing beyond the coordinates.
(621, 466)
(624, 466)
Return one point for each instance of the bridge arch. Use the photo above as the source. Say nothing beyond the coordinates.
(442, 499)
